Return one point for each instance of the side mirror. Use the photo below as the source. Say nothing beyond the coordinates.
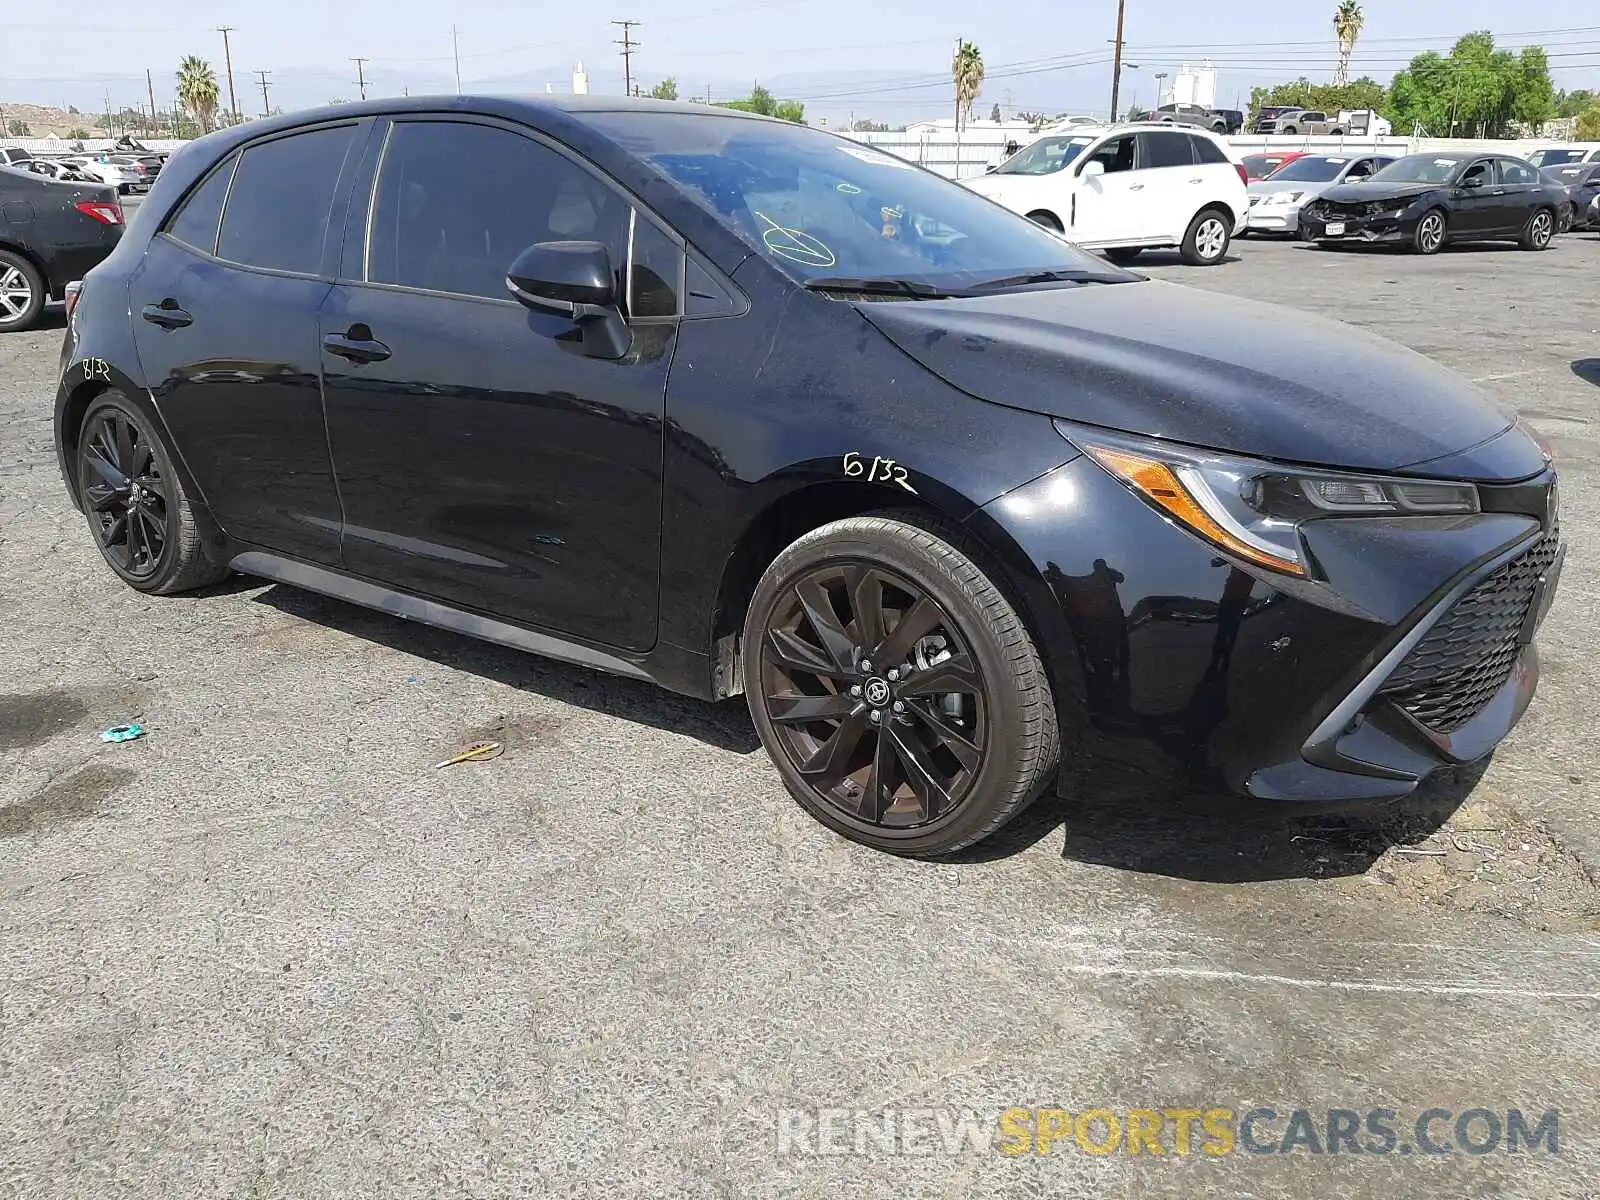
(1475, 181)
(573, 279)
(1092, 168)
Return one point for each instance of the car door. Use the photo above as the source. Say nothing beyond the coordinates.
(1475, 200)
(1171, 179)
(1519, 192)
(224, 309)
(1106, 208)
(484, 458)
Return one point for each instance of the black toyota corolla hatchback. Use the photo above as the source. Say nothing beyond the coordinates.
(739, 406)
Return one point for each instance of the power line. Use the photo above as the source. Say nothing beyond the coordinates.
(628, 47)
(266, 105)
(227, 54)
(361, 77)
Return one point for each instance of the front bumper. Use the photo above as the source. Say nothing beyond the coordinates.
(1395, 226)
(1309, 691)
(1273, 218)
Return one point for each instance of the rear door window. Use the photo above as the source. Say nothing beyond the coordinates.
(195, 223)
(443, 222)
(1516, 173)
(277, 213)
(1163, 149)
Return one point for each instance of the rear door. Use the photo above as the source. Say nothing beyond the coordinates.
(1172, 184)
(224, 309)
(1520, 193)
(483, 458)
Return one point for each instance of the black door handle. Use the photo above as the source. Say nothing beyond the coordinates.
(358, 345)
(167, 314)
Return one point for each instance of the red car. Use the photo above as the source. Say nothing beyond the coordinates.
(1259, 166)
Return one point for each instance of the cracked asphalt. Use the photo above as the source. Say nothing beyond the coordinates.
(268, 950)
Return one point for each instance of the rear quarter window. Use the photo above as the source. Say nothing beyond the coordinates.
(195, 223)
(1207, 151)
(278, 210)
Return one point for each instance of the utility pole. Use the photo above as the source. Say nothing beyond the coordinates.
(155, 121)
(628, 47)
(455, 50)
(958, 92)
(361, 77)
(266, 105)
(227, 54)
(1116, 61)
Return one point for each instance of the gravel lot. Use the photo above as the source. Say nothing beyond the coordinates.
(269, 951)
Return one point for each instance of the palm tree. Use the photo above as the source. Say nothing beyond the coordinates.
(197, 90)
(967, 68)
(1348, 21)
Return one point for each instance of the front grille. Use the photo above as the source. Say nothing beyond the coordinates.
(1469, 653)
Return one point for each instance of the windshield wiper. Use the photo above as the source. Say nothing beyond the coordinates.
(877, 287)
(1070, 275)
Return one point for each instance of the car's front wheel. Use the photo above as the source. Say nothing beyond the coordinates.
(1124, 255)
(895, 686)
(1047, 219)
(1430, 235)
(135, 502)
(22, 292)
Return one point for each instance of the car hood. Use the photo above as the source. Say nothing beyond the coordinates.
(1355, 193)
(1002, 188)
(1172, 362)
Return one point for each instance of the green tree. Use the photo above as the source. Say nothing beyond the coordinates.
(1574, 103)
(865, 126)
(19, 129)
(1348, 21)
(77, 133)
(761, 101)
(1330, 98)
(197, 91)
(667, 89)
(1535, 100)
(1589, 124)
(1475, 91)
(966, 68)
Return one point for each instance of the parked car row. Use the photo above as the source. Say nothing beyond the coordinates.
(51, 233)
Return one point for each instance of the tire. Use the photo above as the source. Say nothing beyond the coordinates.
(1208, 237)
(1335, 133)
(1541, 227)
(1124, 255)
(1432, 232)
(1048, 220)
(22, 293)
(1288, 129)
(854, 773)
(115, 444)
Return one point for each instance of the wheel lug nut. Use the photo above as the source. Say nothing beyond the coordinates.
(899, 706)
(866, 667)
(877, 715)
(856, 691)
(893, 674)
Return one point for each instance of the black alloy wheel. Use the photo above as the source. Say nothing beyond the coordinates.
(895, 688)
(128, 501)
(136, 504)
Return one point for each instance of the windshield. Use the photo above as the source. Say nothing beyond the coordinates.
(1419, 168)
(1313, 168)
(1046, 156)
(1554, 158)
(820, 207)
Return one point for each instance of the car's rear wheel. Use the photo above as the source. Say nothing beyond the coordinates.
(895, 686)
(1541, 227)
(22, 292)
(135, 502)
(1124, 255)
(1288, 129)
(1206, 242)
(1048, 219)
(1431, 232)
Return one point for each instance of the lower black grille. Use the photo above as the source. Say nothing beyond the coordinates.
(1469, 653)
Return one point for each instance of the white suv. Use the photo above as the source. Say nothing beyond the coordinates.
(1128, 188)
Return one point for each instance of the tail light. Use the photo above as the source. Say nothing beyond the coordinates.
(71, 293)
(107, 212)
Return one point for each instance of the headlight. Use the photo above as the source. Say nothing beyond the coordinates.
(1282, 197)
(1255, 509)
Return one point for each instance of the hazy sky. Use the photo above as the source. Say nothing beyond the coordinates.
(1045, 54)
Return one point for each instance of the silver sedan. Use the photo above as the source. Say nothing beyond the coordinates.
(1275, 201)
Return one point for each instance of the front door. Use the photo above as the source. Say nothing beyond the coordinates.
(1108, 207)
(483, 459)
(1477, 202)
(226, 329)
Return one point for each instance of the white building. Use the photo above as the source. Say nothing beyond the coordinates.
(580, 81)
(1194, 85)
